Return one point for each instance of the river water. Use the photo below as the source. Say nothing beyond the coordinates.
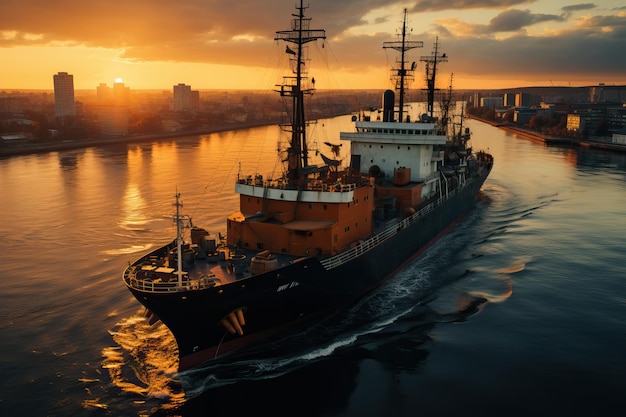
(519, 311)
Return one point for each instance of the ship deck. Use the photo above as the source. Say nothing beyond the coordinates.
(156, 273)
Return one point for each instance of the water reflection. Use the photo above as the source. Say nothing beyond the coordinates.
(143, 363)
(595, 159)
(68, 161)
(133, 213)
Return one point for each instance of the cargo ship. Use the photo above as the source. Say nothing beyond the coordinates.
(317, 237)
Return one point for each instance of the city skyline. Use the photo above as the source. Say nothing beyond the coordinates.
(209, 45)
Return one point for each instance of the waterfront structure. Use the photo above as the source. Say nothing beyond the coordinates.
(508, 99)
(597, 120)
(522, 115)
(607, 93)
(522, 100)
(64, 95)
(491, 102)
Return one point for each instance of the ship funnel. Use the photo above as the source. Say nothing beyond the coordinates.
(389, 100)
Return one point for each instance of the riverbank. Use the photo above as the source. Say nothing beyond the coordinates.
(31, 148)
(550, 140)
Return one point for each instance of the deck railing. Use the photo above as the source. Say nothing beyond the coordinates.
(393, 229)
(382, 236)
(316, 185)
(133, 280)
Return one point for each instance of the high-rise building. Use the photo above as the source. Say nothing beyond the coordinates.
(118, 95)
(185, 99)
(103, 94)
(64, 95)
(113, 108)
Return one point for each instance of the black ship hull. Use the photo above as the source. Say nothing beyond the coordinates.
(274, 302)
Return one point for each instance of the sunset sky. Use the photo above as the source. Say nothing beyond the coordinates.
(217, 44)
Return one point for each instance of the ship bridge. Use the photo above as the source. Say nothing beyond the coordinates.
(388, 146)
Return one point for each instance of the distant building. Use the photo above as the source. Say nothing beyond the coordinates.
(113, 120)
(113, 109)
(607, 94)
(185, 99)
(509, 100)
(597, 120)
(491, 102)
(575, 123)
(475, 99)
(523, 100)
(104, 94)
(619, 137)
(64, 95)
(118, 95)
(522, 115)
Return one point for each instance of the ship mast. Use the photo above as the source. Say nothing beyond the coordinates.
(445, 108)
(296, 87)
(401, 75)
(431, 73)
(182, 221)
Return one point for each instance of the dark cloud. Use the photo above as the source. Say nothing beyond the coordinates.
(513, 20)
(438, 5)
(587, 49)
(218, 31)
(578, 7)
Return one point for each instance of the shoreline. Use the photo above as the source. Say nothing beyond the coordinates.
(549, 140)
(27, 149)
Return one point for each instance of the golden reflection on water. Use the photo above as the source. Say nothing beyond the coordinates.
(133, 216)
(500, 287)
(476, 288)
(517, 265)
(144, 362)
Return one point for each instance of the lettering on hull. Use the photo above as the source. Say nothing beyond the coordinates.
(290, 285)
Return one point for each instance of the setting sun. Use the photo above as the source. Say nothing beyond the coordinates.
(119, 80)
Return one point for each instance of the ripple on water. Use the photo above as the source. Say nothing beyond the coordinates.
(143, 364)
(128, 250)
